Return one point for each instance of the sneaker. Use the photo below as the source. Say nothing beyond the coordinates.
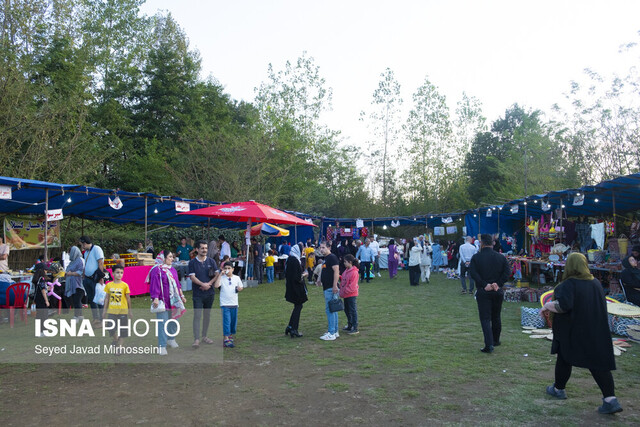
(558, 394)
(346, 328)
(610, 407)
(337, 334)
(228, 343)
(463, 292)
(163, 351)
(328, 337)
(172, 343)
(379, 275)
(353, 331)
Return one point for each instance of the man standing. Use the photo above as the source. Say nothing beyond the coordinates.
(366, 257)
(490, 270)
(256, 247)
(203, 272)
(467, 251)
(225, 249)
(375, 247)
(329, 281)
(4, 255)
(184, 250)
(425, 259)
(285, 249)
(93, 261)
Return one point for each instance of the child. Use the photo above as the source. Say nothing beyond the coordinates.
(349, 292)
(41, 300)
(229, 285)
(268, 263)
(117, 304)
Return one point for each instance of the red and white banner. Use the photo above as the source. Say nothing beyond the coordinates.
(183, 207)
(54, 215)
(5, 192)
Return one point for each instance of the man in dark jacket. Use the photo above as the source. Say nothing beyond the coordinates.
(490, 270)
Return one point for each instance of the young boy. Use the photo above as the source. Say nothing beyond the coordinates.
(229, 285)
(117, 304)
(268, 263)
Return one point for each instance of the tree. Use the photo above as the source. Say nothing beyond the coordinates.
(383, 122)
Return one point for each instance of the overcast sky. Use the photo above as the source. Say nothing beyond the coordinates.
(501, 52)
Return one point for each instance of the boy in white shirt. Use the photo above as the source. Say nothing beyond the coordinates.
(229, 285)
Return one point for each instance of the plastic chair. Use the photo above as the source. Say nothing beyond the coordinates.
(20, 293)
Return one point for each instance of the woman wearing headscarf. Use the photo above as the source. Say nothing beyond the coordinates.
(164, 285)
(74, 288)
(581, 334)
(394, 258)
(630, 278)
(296, 290)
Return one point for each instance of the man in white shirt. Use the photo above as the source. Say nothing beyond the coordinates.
(425, 259)
(375, 247)
(467, 251)
(225, 249)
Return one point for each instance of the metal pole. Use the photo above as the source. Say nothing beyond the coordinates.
(561, 215)
(479, 215)
(46, 224)
(526, 249)
(247, 243)
(145, 221)
(295, 233)
(613, 198)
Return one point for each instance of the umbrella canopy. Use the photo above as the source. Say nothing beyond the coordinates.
(269, 230)
(249, 212)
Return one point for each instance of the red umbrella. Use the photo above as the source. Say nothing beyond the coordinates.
(249, 212)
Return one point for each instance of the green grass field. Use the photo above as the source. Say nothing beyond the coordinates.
(416, 361)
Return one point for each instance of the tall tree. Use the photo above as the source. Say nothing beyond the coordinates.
(383, 122)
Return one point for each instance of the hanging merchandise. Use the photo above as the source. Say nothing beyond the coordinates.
(115, 203)
(610, 228)
(359, 223)
(597, 234)
(395, 224)
(447, 220)
(452, 229)
(438, 231)
(364, 232)
(546, 206)
(329, 233)
(356, 234)
(464, 230)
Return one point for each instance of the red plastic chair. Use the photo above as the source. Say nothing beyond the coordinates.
(20, 292)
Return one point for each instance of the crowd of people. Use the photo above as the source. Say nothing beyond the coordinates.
(339, 267)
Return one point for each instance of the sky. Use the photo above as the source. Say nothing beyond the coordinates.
(501, 52)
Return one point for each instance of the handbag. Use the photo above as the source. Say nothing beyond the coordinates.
(100, 294)
(160, 308)
(335, 304)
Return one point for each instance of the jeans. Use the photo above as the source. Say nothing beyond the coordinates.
(90, 287)
(250, 270)
(269, 271)
(201, 303)
(257, 272)
(489, 307)
(229, 320)
(365, 270)
(171, 328)
(376, 265)
(351, 310)
(332, 318)
(463, 273)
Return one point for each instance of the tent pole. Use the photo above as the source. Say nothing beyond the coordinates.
(247, 243)
(46, 224)
(613, 199)
(561, 215)
(295, 233)
(526, 249)
(479, 215)
(145, 221)
(498, 225)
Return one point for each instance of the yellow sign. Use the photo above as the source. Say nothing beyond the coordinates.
(28, 233)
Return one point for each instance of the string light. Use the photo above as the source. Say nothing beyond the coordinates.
(562, 206)
(69, 200)
(596, 200)
(525, 203)
(384, 227)
(155, 210)
(535, 201)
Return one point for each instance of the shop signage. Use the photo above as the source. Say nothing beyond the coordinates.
(5, 192)
(54, 215)
(183, 207)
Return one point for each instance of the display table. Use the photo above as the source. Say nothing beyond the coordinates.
(531, 266)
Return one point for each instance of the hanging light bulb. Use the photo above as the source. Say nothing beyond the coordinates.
(535, 201)
(525, 203)
(69, 200)
(155, 210)
(596, 200)
(384, 227)
(562, 206)
(578, 194)
(474, 215)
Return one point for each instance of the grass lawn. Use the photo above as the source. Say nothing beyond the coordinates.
(416, 361)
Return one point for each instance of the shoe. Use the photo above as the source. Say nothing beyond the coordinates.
(172, 343)
(328, 337)
(353, 331)
(288, 330)
(346, 328)
(337, 334)
(379, 275)
(558, 394)
(163, 351)
(228, 343)
(487, 349)
(196, 344)
(428, 281)
(463, 292)
(610, 407)
(295, 334)
(207, 340)
(496, 344)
